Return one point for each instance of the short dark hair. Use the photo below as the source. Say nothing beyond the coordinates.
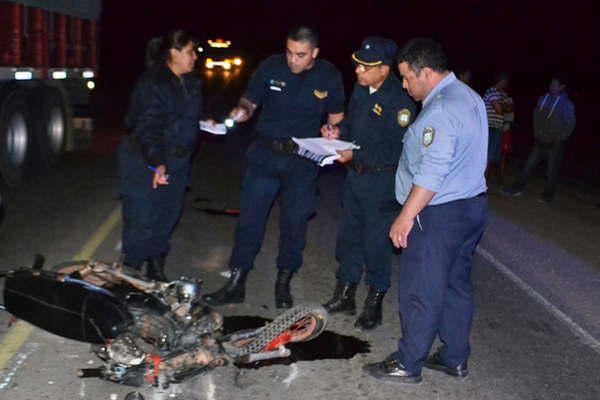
(560, 78)
(302, 33)
(157, 49)
(419, 53)
(500, 76)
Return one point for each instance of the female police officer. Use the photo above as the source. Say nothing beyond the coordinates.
(154, 161)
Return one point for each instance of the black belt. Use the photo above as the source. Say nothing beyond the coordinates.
(365, 169)
(283, 145)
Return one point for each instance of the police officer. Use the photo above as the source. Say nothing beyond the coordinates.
(154, 161)
(378, 114)
(440, 182)
(297, 92)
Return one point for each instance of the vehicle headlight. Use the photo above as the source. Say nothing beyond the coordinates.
(208, 63)
(237, 61)
(227, 65)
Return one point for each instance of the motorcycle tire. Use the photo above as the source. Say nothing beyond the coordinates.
(298, 324)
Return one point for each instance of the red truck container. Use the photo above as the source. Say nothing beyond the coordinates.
(48, 63)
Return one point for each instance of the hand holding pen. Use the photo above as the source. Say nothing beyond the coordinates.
(329, 131)
(160, 176)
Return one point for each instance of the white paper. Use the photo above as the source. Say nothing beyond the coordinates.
(216, 129)
(322, 151)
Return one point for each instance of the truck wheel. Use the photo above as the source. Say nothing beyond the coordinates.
(15, 138)
(49, 128)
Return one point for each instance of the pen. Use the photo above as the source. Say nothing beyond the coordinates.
(153, 169)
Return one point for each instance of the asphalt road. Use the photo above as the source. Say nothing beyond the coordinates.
(536, 331)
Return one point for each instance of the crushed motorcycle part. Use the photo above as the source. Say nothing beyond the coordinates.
(328, 345)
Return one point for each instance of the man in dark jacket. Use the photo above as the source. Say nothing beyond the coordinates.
(378, 114)
(553, 124)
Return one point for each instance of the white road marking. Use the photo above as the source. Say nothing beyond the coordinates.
(584, 335)
(292, 376)
(82, 389)
(211, 389)
(17, 361)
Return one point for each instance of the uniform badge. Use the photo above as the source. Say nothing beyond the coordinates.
(274, 82)
(320, 94)
(403, 118)
(377, 109)
(428, 135)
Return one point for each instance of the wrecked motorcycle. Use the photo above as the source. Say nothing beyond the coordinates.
(145, 331)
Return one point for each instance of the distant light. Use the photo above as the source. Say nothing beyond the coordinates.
(229, 122)
(219, 43)
(88, 74)
(200, 49)
(90, 85)
(237, 61)
(23, 75)
(59, 75)
(227, 65)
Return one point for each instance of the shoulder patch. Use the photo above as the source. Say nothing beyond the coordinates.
(403, 117)
(428, 136)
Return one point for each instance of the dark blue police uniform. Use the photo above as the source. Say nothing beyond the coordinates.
(163, 116)
(376, 121)
(445, 153)
(293, 105)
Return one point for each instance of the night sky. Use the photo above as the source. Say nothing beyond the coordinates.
(531, 40)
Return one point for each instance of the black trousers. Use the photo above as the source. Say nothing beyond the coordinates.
(363, 244)
(149, 215)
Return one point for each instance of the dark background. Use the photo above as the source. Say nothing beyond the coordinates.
(531, 40)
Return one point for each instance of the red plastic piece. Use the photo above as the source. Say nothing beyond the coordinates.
(155, 360)
(280, 340)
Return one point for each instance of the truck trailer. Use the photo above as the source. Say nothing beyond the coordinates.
(48, 64)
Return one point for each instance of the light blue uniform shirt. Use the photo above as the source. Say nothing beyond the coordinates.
(445, 149)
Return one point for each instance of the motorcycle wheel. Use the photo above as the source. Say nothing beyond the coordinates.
(298, 324)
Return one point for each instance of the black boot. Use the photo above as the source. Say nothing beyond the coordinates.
(134, 269)
(137, 266)
(234, 290)
(343, 299)
(371, 314)
(283, 297)
(155, 269)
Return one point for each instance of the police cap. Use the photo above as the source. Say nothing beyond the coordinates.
(374, 51)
